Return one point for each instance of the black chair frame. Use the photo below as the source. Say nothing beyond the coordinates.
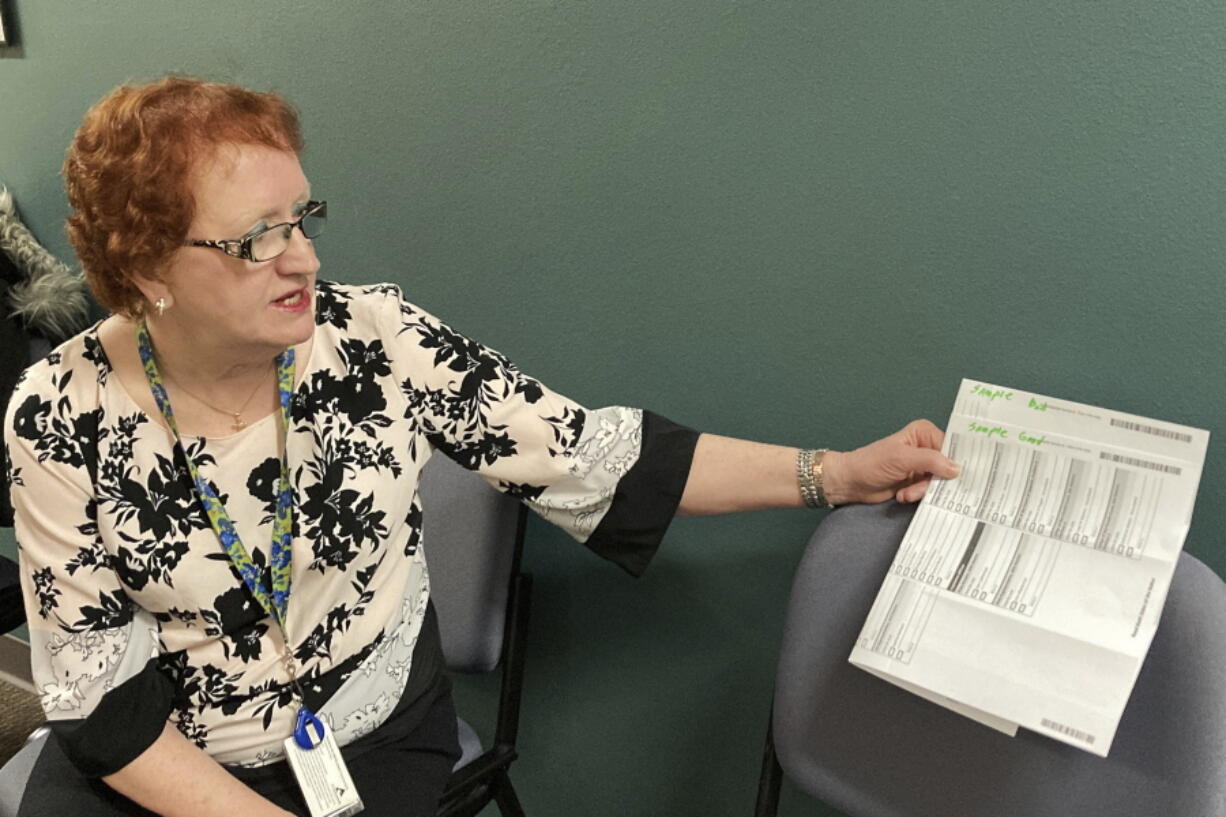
(771, 777)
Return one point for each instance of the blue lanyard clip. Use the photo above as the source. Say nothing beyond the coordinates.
(302, 736)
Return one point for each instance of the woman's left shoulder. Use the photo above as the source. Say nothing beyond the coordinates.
(362, 309)
(340, 304)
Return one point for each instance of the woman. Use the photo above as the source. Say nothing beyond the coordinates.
(215, 487)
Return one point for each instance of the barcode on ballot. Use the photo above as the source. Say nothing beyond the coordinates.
(1159, 432)
(1153, 466)
(1084, 737)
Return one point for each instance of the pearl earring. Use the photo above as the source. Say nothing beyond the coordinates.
(160, 306)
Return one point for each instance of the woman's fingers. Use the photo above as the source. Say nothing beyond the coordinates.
(901, 466)
(928, 461)
(924, 434)
(923, 459)
(914, 492)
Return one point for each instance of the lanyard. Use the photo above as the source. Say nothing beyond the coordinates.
(274, 600)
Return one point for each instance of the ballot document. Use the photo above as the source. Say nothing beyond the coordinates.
(1027, 590)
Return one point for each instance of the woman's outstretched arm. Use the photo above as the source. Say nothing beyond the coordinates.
(729, 475)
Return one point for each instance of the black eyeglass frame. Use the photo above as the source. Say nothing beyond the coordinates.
(241, 247)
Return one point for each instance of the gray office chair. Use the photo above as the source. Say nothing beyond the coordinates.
(474, 541)
(870, 749)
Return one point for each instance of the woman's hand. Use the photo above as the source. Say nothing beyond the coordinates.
(900, 466)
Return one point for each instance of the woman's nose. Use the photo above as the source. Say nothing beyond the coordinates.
(299, 257)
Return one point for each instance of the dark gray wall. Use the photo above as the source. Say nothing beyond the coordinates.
(800, 222)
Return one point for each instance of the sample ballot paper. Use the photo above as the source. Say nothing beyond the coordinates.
(1027, 590)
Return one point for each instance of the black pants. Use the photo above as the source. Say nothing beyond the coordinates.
(399, 769)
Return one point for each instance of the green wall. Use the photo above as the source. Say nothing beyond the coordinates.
(800, 222)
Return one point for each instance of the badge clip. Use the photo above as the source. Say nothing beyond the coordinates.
(302, 736)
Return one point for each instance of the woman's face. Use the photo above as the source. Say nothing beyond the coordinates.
(238, 305)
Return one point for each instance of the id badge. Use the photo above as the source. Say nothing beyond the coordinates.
(325, 782)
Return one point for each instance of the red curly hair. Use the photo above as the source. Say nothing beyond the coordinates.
(129, 172)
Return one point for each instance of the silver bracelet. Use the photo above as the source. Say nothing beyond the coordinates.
(809, 477)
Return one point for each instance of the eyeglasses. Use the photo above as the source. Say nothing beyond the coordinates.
(268, 243)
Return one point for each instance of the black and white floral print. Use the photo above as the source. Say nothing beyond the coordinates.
(120, 564)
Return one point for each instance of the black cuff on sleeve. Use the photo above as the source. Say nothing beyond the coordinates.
(647, 496)
(125, 723)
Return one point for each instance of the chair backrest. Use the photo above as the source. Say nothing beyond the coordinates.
(15, 355)
(871, 749)
(473, 537)
(18, 349)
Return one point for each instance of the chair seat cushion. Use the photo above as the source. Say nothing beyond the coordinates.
(16, 772)
(470, 744)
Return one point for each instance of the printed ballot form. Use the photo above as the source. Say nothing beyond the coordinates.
(1027, 590)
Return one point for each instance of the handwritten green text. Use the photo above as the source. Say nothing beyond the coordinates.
(1028, 438)
(991, 431)
(991, 394)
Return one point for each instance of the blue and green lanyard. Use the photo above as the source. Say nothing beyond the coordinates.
(275, 599)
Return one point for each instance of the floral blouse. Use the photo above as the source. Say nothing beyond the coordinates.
(137, 616)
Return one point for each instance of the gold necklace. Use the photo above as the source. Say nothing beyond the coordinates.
(239, 424)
